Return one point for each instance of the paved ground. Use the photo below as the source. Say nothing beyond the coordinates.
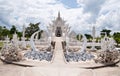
(57, 68)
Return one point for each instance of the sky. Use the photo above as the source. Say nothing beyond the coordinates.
(81, 15)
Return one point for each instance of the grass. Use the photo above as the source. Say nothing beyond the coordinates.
(1, 44)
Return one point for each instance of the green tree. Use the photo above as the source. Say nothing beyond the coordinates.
(0, 31)
(116, 37)
(89, 37)
(105, 31)
(13, 29)
(31, 29)
(19, 34)
(4, 32)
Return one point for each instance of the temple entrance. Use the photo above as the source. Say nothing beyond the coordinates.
(58, 32)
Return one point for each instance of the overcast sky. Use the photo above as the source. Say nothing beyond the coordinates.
(80, 14)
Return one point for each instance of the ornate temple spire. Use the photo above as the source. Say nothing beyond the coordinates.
(59, 14)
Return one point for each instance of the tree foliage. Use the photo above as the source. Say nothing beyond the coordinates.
(105, 31)
(31, 29)
(13, 29)
(3, 32)
(116, 37)
(6, 32)
(88, 36)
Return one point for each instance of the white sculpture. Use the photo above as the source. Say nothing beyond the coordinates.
(83, 49)
(107, 43)
(7, 39)
(93, 41)
(15, 40)
(32, 41)
(23, 43)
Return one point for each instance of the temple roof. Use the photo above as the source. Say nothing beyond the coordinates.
(58, 20)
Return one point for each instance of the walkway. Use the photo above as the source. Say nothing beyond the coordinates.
(58, 55)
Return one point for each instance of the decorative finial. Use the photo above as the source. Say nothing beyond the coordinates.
(59, 14)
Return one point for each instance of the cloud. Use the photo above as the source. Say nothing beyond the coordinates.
(93, 7)
(103, 13)
(110, 20)
(19, 12)
(109, 16)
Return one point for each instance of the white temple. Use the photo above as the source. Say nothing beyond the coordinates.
(59, 27)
